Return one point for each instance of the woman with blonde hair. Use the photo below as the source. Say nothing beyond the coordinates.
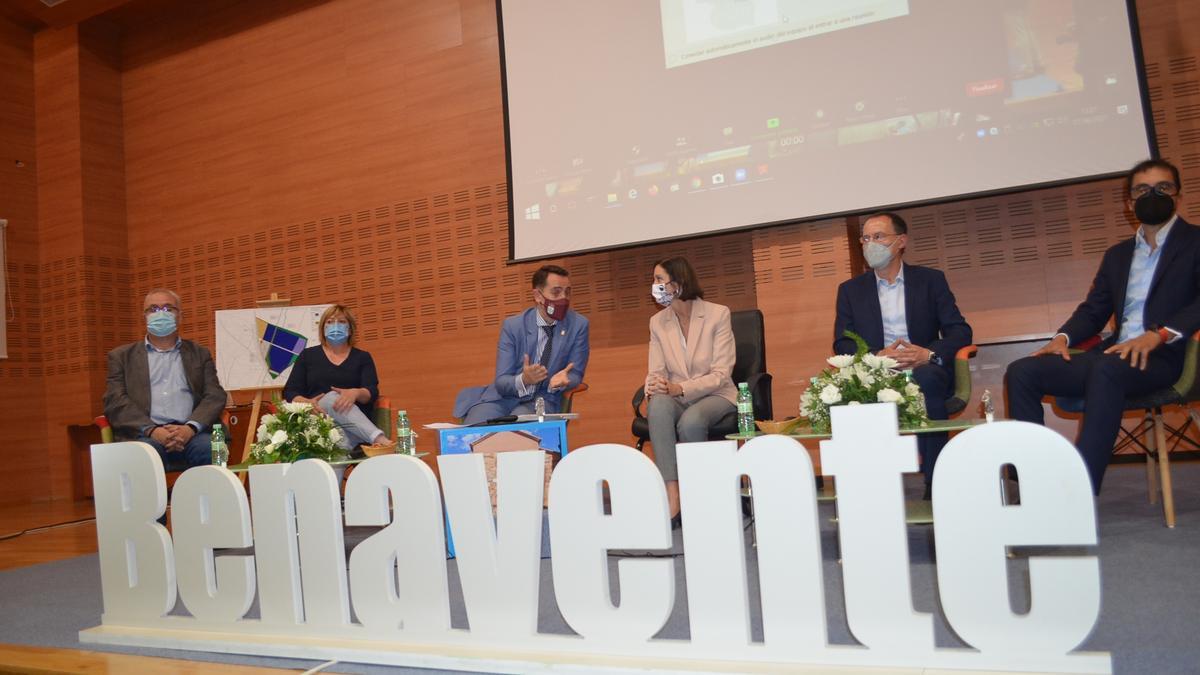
(340, 379)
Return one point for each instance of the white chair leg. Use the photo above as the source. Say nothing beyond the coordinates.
(1164, 469)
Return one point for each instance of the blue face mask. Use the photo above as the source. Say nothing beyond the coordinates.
(160, 324)
(337, 333)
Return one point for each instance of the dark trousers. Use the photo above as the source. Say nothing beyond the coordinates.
(1101, 380)
(197, 452)
(936, 384)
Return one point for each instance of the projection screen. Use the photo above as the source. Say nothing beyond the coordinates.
(632, 121)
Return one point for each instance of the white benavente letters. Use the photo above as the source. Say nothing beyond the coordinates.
(601, 498)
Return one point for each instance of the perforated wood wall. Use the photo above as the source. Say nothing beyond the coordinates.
(352, 150)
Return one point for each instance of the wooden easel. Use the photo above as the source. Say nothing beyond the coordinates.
(255, 412)
(256, 408)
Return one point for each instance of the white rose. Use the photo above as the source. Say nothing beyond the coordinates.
(854, 403)
(263, 434)
(335, 435)
(845, 374)
(830, 394)
(888, 396)
(841, 360)
(279, 437)
(865, 376)
(267, 420)
(911, 389)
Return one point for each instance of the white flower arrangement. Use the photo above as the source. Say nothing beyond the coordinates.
(862, 378)
(295, 432)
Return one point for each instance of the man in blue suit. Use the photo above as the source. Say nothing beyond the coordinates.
(906, 312)
(1149, 286)
(543, 352)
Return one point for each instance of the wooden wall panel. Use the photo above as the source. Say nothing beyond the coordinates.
(82, 273)
(22, 398)
(797, 270)
(302, 111)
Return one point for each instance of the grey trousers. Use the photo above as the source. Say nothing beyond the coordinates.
(355, 426)
(673, 422)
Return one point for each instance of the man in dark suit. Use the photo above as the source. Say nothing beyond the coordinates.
(543, 352)
(163, 390)
(1150, 287)
(908, 313)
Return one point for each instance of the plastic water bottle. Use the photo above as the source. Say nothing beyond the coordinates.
(220, 450)
(406, 443)
(745, 409)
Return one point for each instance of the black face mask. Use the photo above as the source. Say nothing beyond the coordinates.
(1153, 208)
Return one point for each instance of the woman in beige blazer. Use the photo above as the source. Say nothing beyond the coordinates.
(688, 386)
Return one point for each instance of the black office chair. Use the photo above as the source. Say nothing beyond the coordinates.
(750, 367)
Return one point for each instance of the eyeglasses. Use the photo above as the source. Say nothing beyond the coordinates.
(1165, 188)
(877, 237)
(161, 308)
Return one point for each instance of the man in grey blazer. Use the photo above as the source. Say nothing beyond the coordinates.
(162, 389)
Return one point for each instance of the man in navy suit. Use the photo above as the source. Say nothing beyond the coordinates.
(1150, 287)
(543, 352)
(906, 312)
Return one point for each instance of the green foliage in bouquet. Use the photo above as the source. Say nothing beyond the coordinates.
(294, 432)
(862, 378)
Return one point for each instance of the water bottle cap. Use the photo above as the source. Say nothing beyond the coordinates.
(743, 385)
(216, 426)
(402, 412)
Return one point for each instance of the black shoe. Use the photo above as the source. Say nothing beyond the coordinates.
(677, 521)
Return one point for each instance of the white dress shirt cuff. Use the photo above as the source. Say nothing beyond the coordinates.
(522, 390)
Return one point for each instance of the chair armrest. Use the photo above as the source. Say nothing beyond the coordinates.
(759, 385)
(568, 396)
(962, 372)
(106, 432)
(962, 379)
(1085, 344)
(1187, 383)
(383, 416)
(638, 397)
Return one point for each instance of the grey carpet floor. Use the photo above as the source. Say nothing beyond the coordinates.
(1149, 614)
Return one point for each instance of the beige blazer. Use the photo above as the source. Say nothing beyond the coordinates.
(705, 365)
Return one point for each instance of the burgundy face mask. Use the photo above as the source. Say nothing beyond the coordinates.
(556, 309)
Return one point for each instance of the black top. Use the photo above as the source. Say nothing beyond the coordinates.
(313, 375)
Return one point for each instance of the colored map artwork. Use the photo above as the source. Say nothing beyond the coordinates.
(256, 348)
(279, 346)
